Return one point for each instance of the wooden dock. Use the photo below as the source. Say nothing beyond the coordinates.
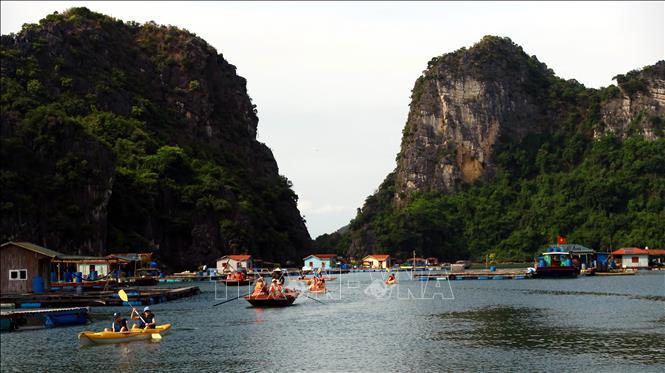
(137, 297)
(482, 274)
(25, 319)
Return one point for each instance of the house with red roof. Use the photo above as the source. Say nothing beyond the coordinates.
(376, 261)
(634, 257)
(231, 263)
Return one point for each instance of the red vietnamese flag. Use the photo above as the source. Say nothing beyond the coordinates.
(560, 240)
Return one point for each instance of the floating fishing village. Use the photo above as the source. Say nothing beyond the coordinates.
(389, 186)
(47, 289)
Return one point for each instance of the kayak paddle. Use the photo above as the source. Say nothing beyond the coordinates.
(314, 299)
(123, 295)
(228, 300)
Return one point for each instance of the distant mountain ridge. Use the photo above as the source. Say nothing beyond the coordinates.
(119, 136)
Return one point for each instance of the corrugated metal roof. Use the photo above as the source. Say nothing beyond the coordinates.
(377, 256)
(237, 258)
(35, 248)
(631, 251)
(321, 256)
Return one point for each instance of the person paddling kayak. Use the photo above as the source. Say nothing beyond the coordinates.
(146, 320)
(119, 324)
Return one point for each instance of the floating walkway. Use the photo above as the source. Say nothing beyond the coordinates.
(499, 274)
(137, 297)
(26, 319)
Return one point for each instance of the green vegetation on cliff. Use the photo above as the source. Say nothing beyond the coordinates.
(557, 170)
(119, 137)
(614, 197)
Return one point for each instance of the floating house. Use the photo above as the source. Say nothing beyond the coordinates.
(419, 262)
(90, 267)
(20, 265)
(315, 261)
(633, 257)
(432, 261)
(376, 261)
(231, 263)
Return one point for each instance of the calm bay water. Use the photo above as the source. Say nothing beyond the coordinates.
(589, 323)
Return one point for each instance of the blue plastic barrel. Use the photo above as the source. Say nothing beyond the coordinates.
(68, 276)
(37, 284)
(492, 268)
(30, 305)
(153, 264)
(78, 277)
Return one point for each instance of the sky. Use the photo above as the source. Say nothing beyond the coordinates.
(332, 80)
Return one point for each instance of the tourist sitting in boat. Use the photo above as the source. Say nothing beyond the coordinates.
(119, 324)
(275, 288)
(237, 276)
(391, 278)
(318, 284)
(146, 320)
(260, 287)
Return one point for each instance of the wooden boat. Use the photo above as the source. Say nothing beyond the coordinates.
(308, 280)
(317, 291)
(233, 282)
(624, 273)
(555, 263)
(268, 300)
(134, 334)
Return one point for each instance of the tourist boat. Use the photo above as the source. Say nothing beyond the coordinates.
(134, 334)
(234, 282)
(309, 280)
(555, 262)
(238, 279)
(268, 300)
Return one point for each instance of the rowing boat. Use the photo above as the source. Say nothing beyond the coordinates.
(237, 282)
(134, 334)
(269, 300)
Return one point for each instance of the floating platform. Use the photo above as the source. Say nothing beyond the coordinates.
(623, 273)
(26, 319)
(499, 274)
(137, 297)
(85, 284)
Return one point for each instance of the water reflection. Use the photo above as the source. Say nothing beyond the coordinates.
(533, 328)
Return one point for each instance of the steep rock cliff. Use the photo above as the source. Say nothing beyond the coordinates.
(490, 131)
(120, 136)
(468, 100)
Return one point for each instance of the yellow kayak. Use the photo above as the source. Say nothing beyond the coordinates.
(134, 334)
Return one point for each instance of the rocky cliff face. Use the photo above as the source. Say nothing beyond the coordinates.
(491, 109)
(120, 136)
(639, 105)
(466, 101)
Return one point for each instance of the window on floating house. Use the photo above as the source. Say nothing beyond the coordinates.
(635, 259)
(18, 274)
